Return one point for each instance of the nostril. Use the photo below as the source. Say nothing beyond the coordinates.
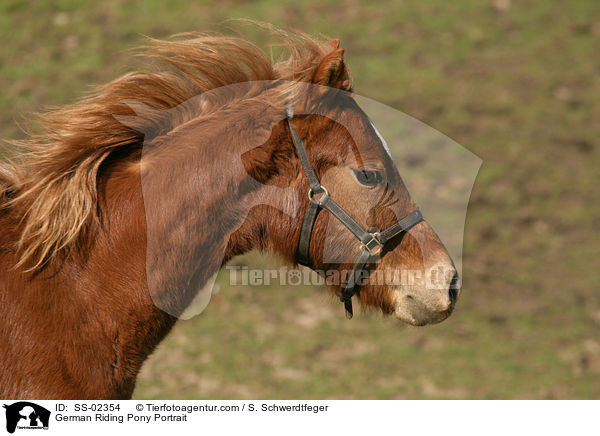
(454, 288)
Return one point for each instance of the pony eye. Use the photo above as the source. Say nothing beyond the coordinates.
(368, 177)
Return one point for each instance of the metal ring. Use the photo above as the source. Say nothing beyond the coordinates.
(377, 249)
(311, 194)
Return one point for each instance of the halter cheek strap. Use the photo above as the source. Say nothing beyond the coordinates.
(372, 240)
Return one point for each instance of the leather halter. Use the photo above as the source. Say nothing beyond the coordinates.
(372, 240)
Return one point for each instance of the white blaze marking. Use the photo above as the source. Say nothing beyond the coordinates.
(385, 146)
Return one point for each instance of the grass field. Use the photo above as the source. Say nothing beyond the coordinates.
(515, 82)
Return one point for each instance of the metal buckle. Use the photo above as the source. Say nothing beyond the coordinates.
(374, 245)
(311, 195)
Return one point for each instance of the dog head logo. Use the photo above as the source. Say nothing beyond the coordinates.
(26, 415)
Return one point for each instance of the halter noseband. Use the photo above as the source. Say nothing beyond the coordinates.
(372, 240)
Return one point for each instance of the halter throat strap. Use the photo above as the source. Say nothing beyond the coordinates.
(372, 240)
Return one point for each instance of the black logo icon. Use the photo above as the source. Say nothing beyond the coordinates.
(26, 415)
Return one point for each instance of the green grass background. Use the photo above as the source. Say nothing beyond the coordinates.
(517, 82)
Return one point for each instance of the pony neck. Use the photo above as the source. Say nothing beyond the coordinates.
(195, 207)
(198, 198)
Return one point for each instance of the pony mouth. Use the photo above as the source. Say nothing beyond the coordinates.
(414, 311)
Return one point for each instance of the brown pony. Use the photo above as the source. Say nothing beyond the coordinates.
(84, 299)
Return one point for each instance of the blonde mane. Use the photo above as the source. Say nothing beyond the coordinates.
(54, 181)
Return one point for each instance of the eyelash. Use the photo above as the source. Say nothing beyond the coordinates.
(368, 177)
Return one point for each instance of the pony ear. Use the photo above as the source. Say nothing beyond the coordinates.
(332, 70)
(334, 43)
